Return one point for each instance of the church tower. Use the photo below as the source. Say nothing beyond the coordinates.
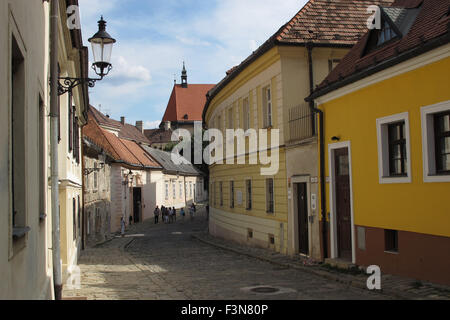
(184, 83)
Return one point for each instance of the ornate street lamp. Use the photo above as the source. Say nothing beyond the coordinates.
(102, 44)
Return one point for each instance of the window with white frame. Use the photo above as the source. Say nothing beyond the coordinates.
(167, 190)
(181, 189)
(436, 142)
(174, 191)
(394, 156)
(230, 118)
(267, 106)
(246, 113)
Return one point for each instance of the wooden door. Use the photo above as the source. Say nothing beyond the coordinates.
(302, 208)
(343, 211)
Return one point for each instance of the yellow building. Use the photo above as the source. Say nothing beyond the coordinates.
(387, 145)
(267, 91)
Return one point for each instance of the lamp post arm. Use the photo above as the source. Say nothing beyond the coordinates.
(66, 84)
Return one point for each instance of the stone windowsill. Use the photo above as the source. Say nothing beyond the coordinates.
(19, 233)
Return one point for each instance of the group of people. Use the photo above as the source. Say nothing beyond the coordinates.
(169, 215)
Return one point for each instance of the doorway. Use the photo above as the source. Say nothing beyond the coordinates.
(302, 211)
(137, 207)
(343, 204)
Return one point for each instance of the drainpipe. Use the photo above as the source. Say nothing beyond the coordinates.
(57, 272)
(309, 47)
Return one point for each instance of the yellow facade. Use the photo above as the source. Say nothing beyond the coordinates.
(226, 112)
(415, 206)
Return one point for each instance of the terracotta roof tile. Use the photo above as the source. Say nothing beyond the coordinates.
(188, 101)
(321, 22)
(120, 149)
(126, 131)
(431, 23)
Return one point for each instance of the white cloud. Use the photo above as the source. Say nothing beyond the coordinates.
(217, 38)
(152, 124)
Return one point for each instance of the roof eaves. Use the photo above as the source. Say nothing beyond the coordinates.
(412, 53)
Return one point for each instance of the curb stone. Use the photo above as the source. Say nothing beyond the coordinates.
(350, 281)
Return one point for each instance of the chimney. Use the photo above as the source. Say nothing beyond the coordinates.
(167, 125)
(140, 126)
(122, 120)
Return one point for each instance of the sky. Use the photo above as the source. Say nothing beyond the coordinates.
(154, 37)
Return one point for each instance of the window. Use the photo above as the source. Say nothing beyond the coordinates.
(269, 196)
(386, 34)
(17, 157)
(442, 142)
(190, 189)
(436, 142)
(89, 224)
(391, 240)
(246, 110)
(248, 188)
(167, 190)
(74, 221)
(174, 191)
(213, 194)
(79, 214)
(181, 189)
(249, 234)
(42, 169)
(332, 63)
(221, 193)
(397, 149)
(394, 149)
(95, 177)
(219, 123)
(70, 124)
(230, 119)
(267, 107)
(231, 194)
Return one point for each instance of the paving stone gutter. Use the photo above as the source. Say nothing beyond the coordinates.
(397, 287)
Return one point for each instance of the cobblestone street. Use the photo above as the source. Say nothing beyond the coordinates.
(164, 262)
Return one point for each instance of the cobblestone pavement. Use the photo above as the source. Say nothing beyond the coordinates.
(164, 262)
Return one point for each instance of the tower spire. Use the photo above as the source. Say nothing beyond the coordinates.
(184, 82)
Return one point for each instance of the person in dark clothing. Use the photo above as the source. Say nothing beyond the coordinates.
(130, 220)
(156, 213)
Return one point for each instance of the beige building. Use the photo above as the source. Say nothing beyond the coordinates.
(267, 91)
(25, 215)
(177, 185)
(96, 193)
(27, 265)
(73, 106)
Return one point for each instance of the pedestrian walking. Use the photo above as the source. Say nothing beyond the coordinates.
(174, 211)
(207, 212)
(156, 214)
(182, 213)
(130, 220)
(166, 215)
(191, 211)
(170, 215)
(122, 226)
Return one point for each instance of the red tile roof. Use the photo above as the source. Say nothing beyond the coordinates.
(430, 29)
(339, 23)
(329, 22)
(188, 101)
(123, 150)
(126, 131)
